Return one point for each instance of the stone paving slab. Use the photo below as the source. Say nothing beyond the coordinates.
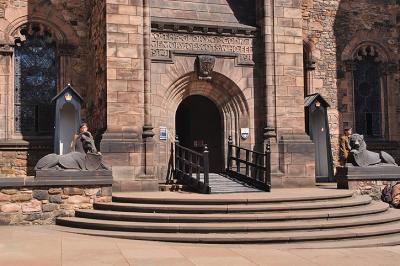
(43, 245)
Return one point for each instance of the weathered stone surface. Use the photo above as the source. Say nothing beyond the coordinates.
(31, 207)
(9, 191)
(92, 191)
(104, 199)
(21, 196)
(106, 191)
(49, 207)
(5, 218)
(77, 199)
(68, 206)
(41, 194)
(11, 207)
(55, 199)
(47, 216)
(86, 206)
(54, 191)
(4, 197)
(32, 216)
(73, 191)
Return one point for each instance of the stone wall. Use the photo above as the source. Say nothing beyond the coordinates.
(128, 101)
(292, 150)
(332, 31)
(67, 22)
(20, 161)
(372, 188)
(42, 205)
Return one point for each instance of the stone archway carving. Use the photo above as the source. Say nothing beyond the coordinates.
(227, 96)
(62, 33)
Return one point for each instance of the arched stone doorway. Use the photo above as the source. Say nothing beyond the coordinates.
(198, 122)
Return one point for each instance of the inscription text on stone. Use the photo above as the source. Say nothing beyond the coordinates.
(163, 43)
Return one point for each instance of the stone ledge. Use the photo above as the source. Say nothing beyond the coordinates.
(55, 178)
(389, 173)
(367, 180)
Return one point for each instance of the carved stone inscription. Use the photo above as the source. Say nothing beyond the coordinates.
(162, 44)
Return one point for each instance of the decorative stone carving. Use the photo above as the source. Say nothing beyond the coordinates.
(205, 65)
(92, 160)
(163, 44)
(6, 49)
(360, 156)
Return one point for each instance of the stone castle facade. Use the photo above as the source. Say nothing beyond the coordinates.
(135, 61)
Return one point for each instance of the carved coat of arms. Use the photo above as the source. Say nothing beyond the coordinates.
(205, 66)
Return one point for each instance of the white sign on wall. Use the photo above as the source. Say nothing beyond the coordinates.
(163, 133)
(244, 132)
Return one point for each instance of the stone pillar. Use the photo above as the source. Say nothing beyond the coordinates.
(293, 155)
(5, 108)
(122, 143)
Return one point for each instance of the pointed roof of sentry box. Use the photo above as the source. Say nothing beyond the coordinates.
(312, 98)
(69, 89)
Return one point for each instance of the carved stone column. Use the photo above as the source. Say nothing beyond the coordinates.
(127, 143)
(293, 153)
(6, 103)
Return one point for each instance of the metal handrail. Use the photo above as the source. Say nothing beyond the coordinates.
(187, 162)
(256, 165)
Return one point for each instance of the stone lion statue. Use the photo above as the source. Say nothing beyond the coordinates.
(92, 160)
(360, 156)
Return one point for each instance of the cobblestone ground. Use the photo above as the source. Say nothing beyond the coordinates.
(43, 245)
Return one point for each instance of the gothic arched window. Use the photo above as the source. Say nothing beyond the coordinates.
(35, 81)
(367, 92)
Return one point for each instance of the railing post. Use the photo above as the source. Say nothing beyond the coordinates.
(247, 162)
(229, 162)
(267, 174)
(237, 159)
(206, 165)
(176, 160)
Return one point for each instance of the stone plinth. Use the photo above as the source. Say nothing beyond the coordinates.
(367, 180)
(52, 194)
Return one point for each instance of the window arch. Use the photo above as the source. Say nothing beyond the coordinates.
(368, 96)
(35, 81)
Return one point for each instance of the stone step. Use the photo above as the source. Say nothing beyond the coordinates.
(233, 208)
(316, 224)
(358, 233)
(373, 208)
(372, 241)
(278, 195)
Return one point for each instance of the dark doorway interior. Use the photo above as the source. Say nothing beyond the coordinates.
(199, 122)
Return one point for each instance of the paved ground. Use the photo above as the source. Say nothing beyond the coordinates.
(44, 245)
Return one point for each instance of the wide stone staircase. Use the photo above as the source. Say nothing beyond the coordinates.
(317, 217)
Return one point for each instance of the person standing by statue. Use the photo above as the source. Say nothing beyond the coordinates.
(83, 142)
(344, 146)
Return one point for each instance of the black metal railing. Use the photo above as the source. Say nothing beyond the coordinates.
(251, 167)
(192, 168)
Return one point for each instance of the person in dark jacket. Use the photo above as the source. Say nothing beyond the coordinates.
(83, 142)
(344, 146)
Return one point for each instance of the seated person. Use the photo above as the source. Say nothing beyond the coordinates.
(83, 142)
(344, 146)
